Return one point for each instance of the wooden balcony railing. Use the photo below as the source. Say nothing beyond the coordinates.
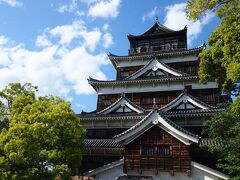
(148, 49)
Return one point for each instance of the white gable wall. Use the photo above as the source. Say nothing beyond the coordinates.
(198, 172)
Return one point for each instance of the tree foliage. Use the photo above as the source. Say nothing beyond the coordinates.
(221, 62)
(225, 128)
(43, 137)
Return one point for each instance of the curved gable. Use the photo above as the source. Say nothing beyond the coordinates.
(156, 68)
(185, 102)
(153, 119)
(122, 105)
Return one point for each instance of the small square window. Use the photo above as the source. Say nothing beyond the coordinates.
(147, 150)
(163, 150)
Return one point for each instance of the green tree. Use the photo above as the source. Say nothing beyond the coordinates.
(43, 137)
(225, 128)
(221, 61)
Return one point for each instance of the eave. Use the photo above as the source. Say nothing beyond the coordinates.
(95, 82)
(152, 119)
(149, 55)
(158, 34)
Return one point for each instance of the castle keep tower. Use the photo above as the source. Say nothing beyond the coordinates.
(149, 120)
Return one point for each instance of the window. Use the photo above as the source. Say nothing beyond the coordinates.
(156, 150)
(106, 102)
(161, 99)
(163, 150)
(192, 69)
(146, 101)
(124, 74)
(208, 97)
(147, 150)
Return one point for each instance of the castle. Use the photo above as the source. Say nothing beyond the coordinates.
(148, 122)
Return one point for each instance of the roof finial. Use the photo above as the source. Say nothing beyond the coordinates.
(156, 18)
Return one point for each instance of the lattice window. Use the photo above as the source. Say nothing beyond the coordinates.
(161, 99)
(146, 100)
(208, 97)
(148, 150)
(163, 151)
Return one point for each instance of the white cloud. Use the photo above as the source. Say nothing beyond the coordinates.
(105, 27)
(3, 40)
(73, 6)
(77, 31)
(62, 64)
(89, 2)
(42, 41)
(104, 9)
(67, 33)
(150, 14)
(13, 3)
(107, 40)
(79, 13)
(176, 19)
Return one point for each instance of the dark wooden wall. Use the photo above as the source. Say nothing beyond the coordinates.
(145, 100)
(178, 159)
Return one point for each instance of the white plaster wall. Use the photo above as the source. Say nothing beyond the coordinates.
(153, 87)
(196, 174)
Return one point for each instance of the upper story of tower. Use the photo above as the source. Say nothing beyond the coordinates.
(168, 46)
(157, 38)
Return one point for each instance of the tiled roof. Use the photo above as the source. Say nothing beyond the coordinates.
(174, 125)
(104, 168)
(158, 54)
(193, 112)
(119, 100)
(184, 93)
(157, 25)
(136, 125)
(111, 116)
(210, 142)
(101, 144)
(139, 81)
(155, 59)
(178, 127)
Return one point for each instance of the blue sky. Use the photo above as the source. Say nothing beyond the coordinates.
(58, 44)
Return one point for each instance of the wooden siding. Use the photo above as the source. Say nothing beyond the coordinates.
(129, 70)
(190, 67)
(209, 96)
(178, 159)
